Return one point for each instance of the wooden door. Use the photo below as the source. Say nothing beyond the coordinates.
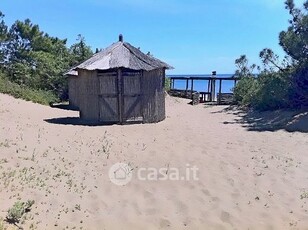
(108, 97)
(131, 97)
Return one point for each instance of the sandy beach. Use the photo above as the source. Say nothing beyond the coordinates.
(246, 179)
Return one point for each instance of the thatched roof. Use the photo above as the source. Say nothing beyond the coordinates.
(71, 72)
(118, 55)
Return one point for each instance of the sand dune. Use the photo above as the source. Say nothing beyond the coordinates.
(247, 179)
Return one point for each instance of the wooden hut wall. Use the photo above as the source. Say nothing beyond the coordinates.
(85, 91)
(153, 106)
(73, 90)
(132, 95)
(88, 86)
(108, 96)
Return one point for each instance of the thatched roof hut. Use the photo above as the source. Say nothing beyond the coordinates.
(119, 84)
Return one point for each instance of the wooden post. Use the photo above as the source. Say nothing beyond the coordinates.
(120, 97)
(208, 86)
(186, 84)
(173, 83)
(192, 87)
(214, 89)
(208, 90)
(170, 83)
(219, 94)
(214, 84)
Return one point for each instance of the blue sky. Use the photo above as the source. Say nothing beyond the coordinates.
(194, 36)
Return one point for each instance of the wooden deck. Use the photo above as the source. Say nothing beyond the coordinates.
(209, 95)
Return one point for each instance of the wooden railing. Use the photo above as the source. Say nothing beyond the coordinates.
(210, 94)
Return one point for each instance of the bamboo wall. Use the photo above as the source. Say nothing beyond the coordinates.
(88, 87)
(153, 103)
(73, 90)
(89, 95)
(132, 95)
(108, 96)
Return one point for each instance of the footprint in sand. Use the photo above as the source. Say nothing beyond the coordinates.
(147, 195)
(136, 208)
(225, 217)
(206, 192)
(200, 199)
(181, 207)
(231, 181)
(164, 223)
(215, 199)
(149, 198)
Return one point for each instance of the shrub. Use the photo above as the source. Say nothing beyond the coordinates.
(299, 88)
(18, 210)
(167, 83)
(245, 90)
(268, 91)
(26, 93)
(272, 92)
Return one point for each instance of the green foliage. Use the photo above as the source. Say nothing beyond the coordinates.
(167, 83)
(243, 68)
(299, 88)
(33, 59)
(272, 91)
(26, 93)
(245, 90)
(267, 91)
(272, 63)
(294, 40)
(304, 195)
(3, 27)
(18, 210)
(80, 51)
(280, 84)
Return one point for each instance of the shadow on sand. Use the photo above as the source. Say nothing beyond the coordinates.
(71, 120)
(64, 106)
(291, 121)
(81, 122)
(75, 121)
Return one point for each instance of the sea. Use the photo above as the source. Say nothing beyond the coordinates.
(202, 85)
